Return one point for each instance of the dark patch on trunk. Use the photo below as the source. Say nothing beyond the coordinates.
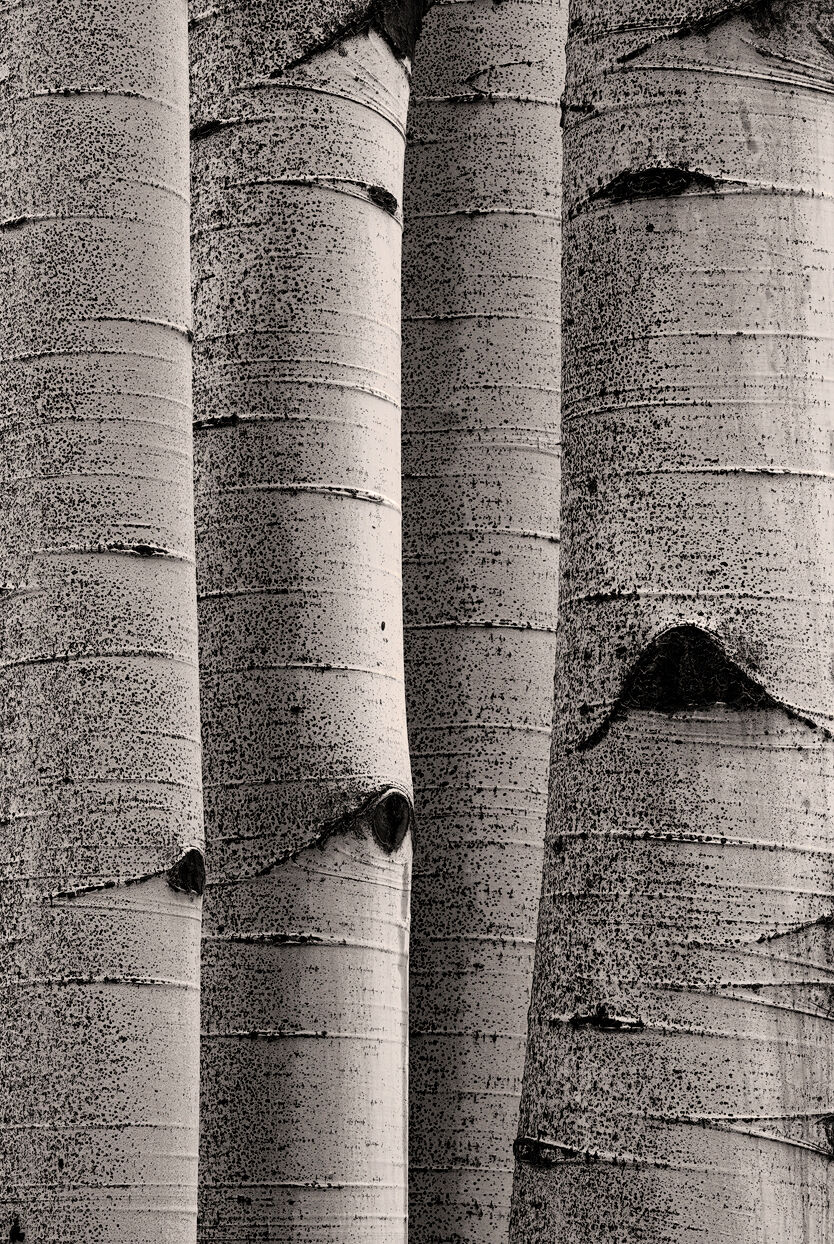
(148, 550)
(685, 669)
(398, 21)
(541, 1153)
(653, 183)
(16, 222)
(390, 820)
(16, 1235)
(601, 1019)
(823, 29)
(216, 421)
(827, 1125)
(202, 129)
(138, 550)
(584, 110)
(273, 939)
(384, 199)
(189, 873)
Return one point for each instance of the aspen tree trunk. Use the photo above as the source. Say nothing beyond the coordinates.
(298, 144)
(99, 717)
(481, 377)
(679, 1083)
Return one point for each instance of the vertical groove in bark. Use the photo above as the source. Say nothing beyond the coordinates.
(689, 889)
(481, 489)
(99, 718)
(297, 180)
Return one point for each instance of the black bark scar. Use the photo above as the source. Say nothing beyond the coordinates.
(389, 813)
(601, 1019)
(541, 1153)
(653, 183)
(398, 21)
(683, 669)
(189, 873)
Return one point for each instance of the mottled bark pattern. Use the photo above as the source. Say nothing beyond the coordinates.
(99, 720)
(678, 1084)
(481, 374)
(297, 182)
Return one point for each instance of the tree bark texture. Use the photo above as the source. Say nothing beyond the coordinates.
(298, 141)
(99, 719)
(678, 1084)
(481, 374)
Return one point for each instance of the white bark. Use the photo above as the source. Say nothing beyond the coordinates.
(297, 179)
(481, 491)
(678, 1084)
(99, 720)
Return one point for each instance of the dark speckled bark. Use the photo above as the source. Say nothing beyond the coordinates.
(298, 135)
(688, 892)
(100, 799)
(481, 375)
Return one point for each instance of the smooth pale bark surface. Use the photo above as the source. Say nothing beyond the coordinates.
(481, 374)
(678, 1084)
(297, 180)
(99, 717)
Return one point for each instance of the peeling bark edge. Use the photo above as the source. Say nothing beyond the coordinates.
(188, 875)
(685, 668)
(389, 812)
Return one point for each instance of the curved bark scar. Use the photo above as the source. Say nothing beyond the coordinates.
(763, 15)
(603, 1020)
(386, 814)
(391, 820)
(383, 198)
(216, 421)
(822, 922)
(541, 1153)
(188, 875)
(658, 182)
(686, 668)
(204, 129)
